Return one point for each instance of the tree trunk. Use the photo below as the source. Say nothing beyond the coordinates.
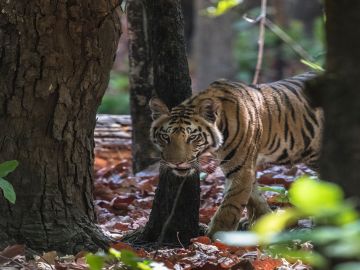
(141, 84)
(341, 96)
(54, 68)
(337, 92)
(172, 84)
(188, 10)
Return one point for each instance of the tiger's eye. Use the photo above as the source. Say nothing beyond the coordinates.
(165, 137)
(193, 137)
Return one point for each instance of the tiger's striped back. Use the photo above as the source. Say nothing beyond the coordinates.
(292, 128)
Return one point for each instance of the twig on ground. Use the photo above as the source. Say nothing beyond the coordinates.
(177, 235)
(41, 257)
(13, 261)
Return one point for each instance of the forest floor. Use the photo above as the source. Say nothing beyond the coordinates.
(123, 203)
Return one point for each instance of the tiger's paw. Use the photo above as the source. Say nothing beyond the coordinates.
(222, 222)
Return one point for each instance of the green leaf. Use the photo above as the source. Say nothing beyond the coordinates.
(143, 266)
(95, 262)
(269, 225)
(115, 253)
(312, 65)
(314, 197)
(345, 214)
(344, 248)
(7, 167)
(8, 190)
(129, 258)
(348, 266)
(222, 7)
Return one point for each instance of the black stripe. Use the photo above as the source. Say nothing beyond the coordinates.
(306, 153)
(236, 169)
(284, 156)
(212, 137)
(306, 139)
(205, 137)
(292, 141)
(224, 89)
(289, 86)
(311, 115)
(286, 127)
(309, 127)
(276, 147)
(237, 127)
(275, 91)
(225, 130)
(230, 155)
(299, 84)
(228, 100)
(273, 142)
(269, 116)
(288, 104)
(187, 123)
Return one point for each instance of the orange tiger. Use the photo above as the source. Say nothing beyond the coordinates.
(244, 126)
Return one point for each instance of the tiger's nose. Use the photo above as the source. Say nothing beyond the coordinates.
(180, 164)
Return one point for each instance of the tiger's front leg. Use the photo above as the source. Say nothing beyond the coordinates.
(236, 197)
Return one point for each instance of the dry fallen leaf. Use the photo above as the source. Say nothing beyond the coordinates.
(11, 252)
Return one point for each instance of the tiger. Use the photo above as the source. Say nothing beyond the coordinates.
(243, 126)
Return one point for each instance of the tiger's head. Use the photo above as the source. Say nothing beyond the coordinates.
(185, 133)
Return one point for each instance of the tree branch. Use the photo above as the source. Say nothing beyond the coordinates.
(262, 19)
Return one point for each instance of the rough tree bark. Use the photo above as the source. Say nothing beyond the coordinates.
(337, 92)
(141, 84)
(188, 10)
(173, 85)
(171, 82)
(55, 58)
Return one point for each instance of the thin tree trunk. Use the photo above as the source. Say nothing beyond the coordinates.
(54, 67)
(141, 84)
(188, 9)
(341, 96)
(172, 84)
(337, 92)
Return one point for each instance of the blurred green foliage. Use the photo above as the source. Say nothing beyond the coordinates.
(280, 44)
(222, 6)
(117, 98)
(7, 188)
(336, 235)
(124, 257)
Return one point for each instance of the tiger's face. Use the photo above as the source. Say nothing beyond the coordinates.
(184, 134)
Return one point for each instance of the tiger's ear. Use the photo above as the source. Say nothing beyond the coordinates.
(158, 108)
(209, 109)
